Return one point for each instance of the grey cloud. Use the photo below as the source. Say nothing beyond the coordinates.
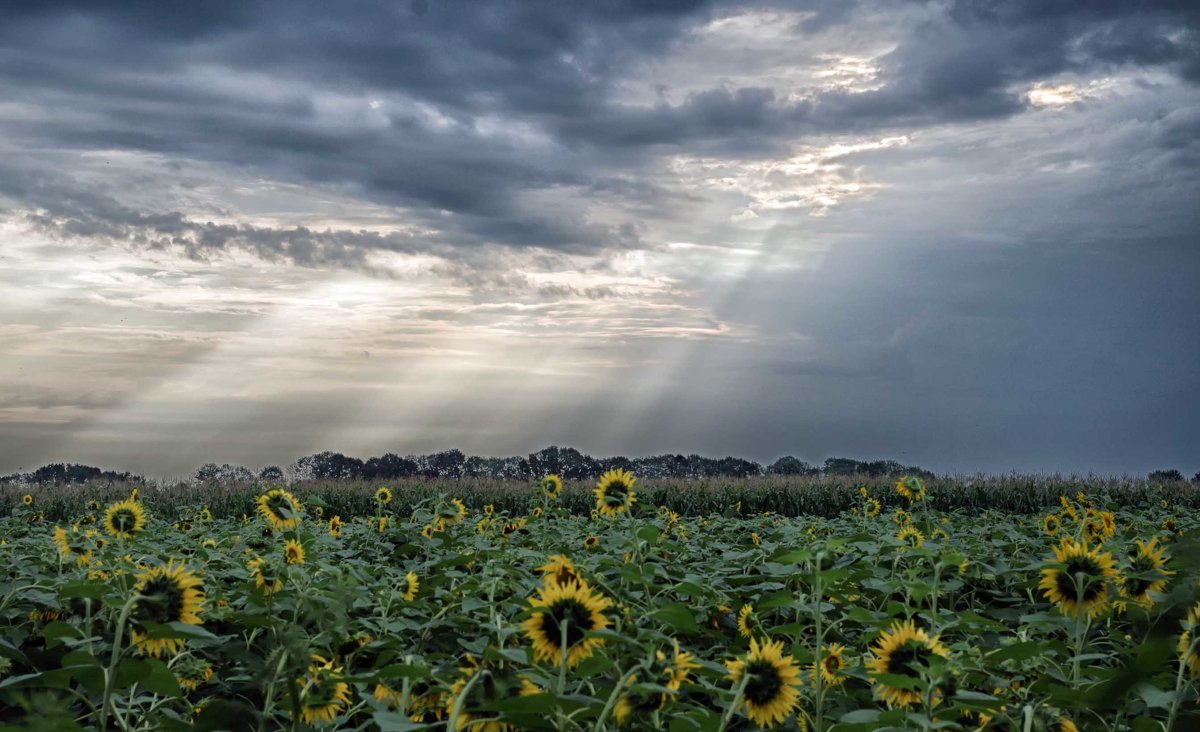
(125, 76)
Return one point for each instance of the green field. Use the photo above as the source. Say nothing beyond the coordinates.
(819, 604)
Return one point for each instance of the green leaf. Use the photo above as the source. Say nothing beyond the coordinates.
(648, 534)
(860, 716)
(678, 616)
(160, 680)
(1017, 651)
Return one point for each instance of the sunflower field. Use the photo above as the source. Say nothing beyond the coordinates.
(893, 612)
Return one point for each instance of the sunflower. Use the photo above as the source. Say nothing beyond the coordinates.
(900, 517)
(124, 519)
(489, 509)
(747, 622)
(1051, 524)
(911, 487)
(383, 496)
(513, 527)
(192, 673)
(536, 512)
(428, 706)
(773, 679)
(873, 507)
(1188, 653)
(633, 701)
(591, 542)
(551, 486)
(280, 509)
(1147, 572)
(1095, 570)
(911, 535)
(323, 693)
(335, 526)
(1169, 526)
(75, 544)
(264, 578)
(1068, 507)
(412, 585)
(293, 552)
(754, 539)
(1064, 725)
(425, 704)
(167, 594)
(902, 651)
(495, 685)
(614, 493)
(573, 606)
(559, 569)
(832, 663)
(27, 499)
(382, 524)
(49, 616)
(1109, 521)
(427, 531)
(452, 513)
(681, 665)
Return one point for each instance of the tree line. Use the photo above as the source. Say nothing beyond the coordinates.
(567, 462)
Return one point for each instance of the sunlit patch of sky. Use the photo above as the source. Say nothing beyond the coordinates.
(915, 232)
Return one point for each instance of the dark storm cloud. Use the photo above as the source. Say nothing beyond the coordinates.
(1010, 287)
(241, 84)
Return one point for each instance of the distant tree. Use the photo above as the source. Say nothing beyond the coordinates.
(328, 465)
(1196, 478)
(213, 473)
(60, 473)
(445, 464)
(841, 466)
(738, 468)
(390, 466)
(566, 462)
(788, 465)
(207, 473)
(271, 474)
(620, 462)
(1166, 476)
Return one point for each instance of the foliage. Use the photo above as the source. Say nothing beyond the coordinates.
(422, 612)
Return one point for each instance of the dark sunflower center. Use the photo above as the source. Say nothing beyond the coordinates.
(832, 664)
(908, 660)
(1092, 582)
(124, 520)
(577, 618)
(616, 493)
(281, 507)
(764, 684)
(162, 601)
(321, 693)
(1138, 586)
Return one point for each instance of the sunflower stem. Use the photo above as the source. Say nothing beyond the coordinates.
(612, 701)
(737, 700)
(1183, 663)
(111, 672)
(562, 659)
(1080, 631)
(456, 707)
(818, 692)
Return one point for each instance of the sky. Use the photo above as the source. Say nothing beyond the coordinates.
(958, 234)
